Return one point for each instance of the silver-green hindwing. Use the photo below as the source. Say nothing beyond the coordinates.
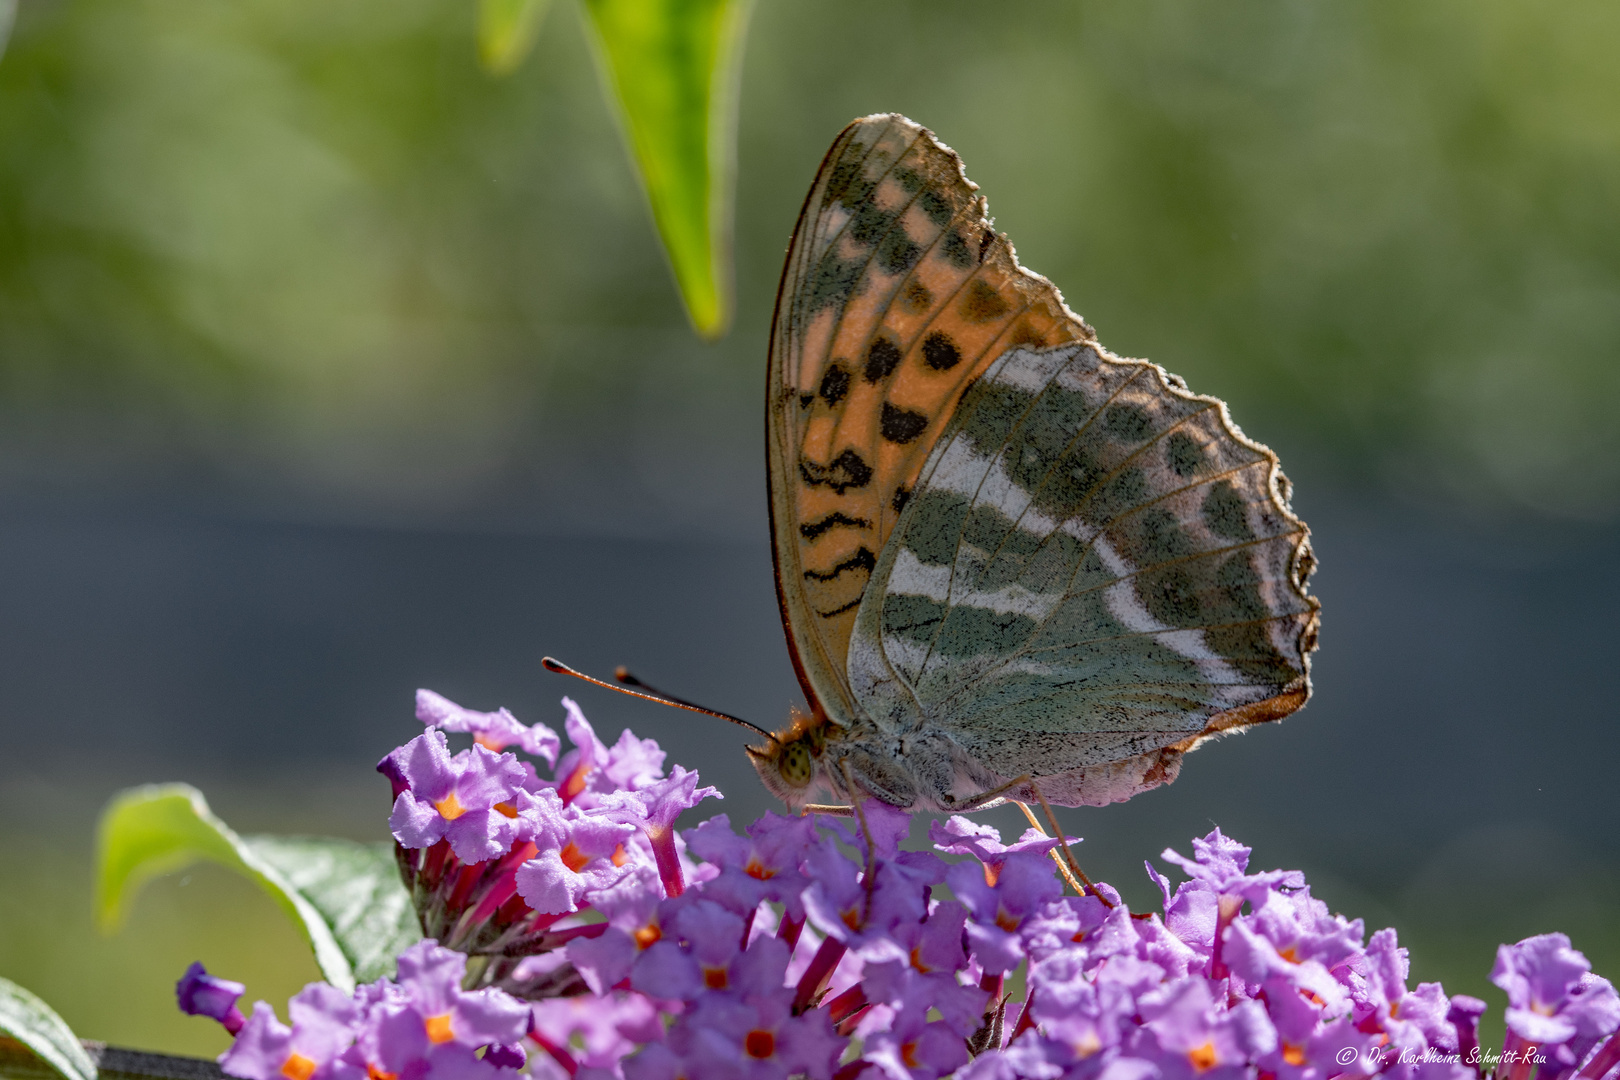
(1094, 571)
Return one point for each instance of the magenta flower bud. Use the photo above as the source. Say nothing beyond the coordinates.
(201, 994)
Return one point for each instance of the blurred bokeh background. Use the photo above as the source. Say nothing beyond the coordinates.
(332, 366)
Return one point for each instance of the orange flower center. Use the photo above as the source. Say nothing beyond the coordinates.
(378, 1074)
(297, 1067)
(648, 935)
(438, 1028)
(506, 809)
(619, 856)
(572, 857)
(574, 784)
(758, 872)
(908, 1053)
(714, 978)
(1006, 921)
(1294, 1054)
(450, 807)
(917, 960)
(488, 742)
(1290, 954)
(1202, 1057)
(760, 1043)
(852, 918)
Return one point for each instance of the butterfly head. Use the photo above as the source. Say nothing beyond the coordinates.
(791, 763)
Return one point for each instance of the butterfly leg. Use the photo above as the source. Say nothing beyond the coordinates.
(1067, 865)
(827, 808)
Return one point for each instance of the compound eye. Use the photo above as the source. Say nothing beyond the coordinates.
(795, 764)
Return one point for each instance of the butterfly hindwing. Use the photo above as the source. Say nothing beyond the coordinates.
(896, 295)
(1095, 566)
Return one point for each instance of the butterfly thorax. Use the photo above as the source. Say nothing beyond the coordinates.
(816, 759)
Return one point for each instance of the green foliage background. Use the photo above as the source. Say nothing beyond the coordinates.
(317, 254)
(320, 241)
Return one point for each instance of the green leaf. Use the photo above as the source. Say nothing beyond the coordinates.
(357, 891)
(346, 896)
(506, 32)
(35, 1024)
(671, 69)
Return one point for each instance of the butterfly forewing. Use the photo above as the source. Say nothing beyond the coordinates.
(897, 294)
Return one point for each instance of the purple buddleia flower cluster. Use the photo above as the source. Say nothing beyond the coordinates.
(576, 934)
(424, 1024)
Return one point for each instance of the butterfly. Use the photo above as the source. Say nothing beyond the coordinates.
(1010, 563)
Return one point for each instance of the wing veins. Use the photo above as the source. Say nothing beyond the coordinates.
(1025, 650)
(956, 556)
(1122, 466)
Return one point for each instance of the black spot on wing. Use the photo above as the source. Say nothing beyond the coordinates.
(846, 183)
(1225, 512)
(845, 471)
(898, 252)
(811, 530)
(902, 495)
(882, 357)
(936, 206)
(1183, 454)
(805, 400)
(835, 282)
(901, 425)
(1160, 536)
(981, 303)
(863, 559)
(915, 297)
(870, 224)
(1127, 423)
(940, 352)
(834, 384)
(957, 252)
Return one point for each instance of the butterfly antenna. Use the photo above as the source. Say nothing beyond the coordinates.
(553, 664)
(622, 674)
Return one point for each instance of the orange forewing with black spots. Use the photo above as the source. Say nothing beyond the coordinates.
(896, 295)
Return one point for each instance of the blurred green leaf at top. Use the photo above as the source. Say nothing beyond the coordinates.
(506, 32)
(671, 67)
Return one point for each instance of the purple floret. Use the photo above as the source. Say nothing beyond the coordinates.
(430, 977)
(576, 856)
(201, 994)
(492, 730)
(323, 1027)
(473, 799)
